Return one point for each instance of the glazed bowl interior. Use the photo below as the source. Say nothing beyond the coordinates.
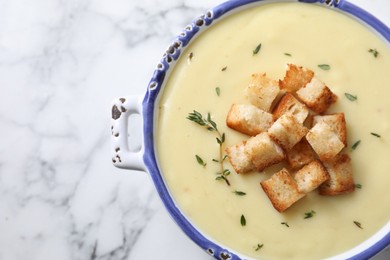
(152, 103)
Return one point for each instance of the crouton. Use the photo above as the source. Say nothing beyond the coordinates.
(239, 159)
(316, 95)
(282, 190)
(248, 119)
(263, 151)
(311, 176)
(324, 141)
(340, 177)
(289, 105)
(296, 77)
(300, 155)
(336, 122)
(262, 91)
(287, 131)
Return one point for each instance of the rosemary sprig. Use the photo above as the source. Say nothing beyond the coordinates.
(210, 125)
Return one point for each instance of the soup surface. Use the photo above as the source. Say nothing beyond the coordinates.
(222, 57)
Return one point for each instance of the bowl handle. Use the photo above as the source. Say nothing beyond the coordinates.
(122, 157)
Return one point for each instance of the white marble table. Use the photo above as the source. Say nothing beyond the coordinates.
(61, 64)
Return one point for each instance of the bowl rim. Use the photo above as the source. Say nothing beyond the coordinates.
(156, 83)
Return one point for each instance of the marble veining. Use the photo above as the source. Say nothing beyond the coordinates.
(61, 65)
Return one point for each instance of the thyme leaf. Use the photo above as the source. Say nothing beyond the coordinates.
(243, 221)
(324, 66)
(190, 56)
(200, 160)
(285, 223)
(239, 193)
(224, 68)
(375, 134)
(257, 49)
(309, 214)
(374, 52)
(358, 186)
(355, 145)
(218, 91)
(358, 224)
(350, 96)
(258, 247)
(287, 54)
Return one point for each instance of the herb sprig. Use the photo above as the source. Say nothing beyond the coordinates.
(211, 126)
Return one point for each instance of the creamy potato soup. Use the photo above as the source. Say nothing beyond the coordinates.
(222, 58)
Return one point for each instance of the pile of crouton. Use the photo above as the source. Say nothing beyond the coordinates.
(287, 122)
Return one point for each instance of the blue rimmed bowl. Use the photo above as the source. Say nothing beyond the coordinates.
(145, 159)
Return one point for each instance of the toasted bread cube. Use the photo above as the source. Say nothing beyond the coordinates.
(300, 155)
(336, 122)
(287, 131)
(289, 105)
(341, 177)
(296, 77)
(316, 95)
(324, 141)
(263, 151)
(239, 159)
(262, 91)
(282, 190)
(248, 119)
(311, 176)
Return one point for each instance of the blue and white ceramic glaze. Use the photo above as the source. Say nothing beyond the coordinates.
(146, 158)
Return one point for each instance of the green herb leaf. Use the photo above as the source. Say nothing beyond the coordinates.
(243, 221)
(190, 56)
(358, 186)
(355, 145)
(287, 54)
(358, 224)
(309, 214)
(239, 193)
(196, 117)
(200, 160)
(285, 223)
(258, 247)
(215, 160)
(374, 52)
(324, 66)
(350, 96)
(376, 135)
(224, 68)
(257, 49)
(218, 91)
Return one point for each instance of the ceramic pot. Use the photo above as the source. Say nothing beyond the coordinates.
(145, 106)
